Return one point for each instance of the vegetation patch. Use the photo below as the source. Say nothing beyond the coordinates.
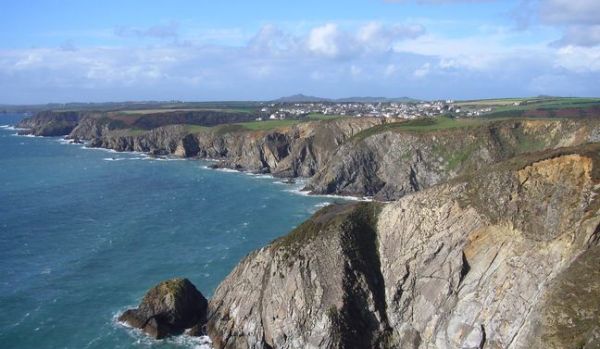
(228, 128)
(268, 125)
(318, 116)
(135, 132)
(570, 314)
(195, 128)
(461, 155)
(329, 219)
(420, 126)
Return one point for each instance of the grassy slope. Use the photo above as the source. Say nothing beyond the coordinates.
(420, 125)
(268, 124)
(160, 111)
(317, 116)
(534, 106)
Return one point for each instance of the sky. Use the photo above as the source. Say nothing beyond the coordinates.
(195, 50)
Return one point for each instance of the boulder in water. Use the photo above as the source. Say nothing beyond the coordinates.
(169, 308)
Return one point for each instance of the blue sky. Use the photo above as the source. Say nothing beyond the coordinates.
(61, 51)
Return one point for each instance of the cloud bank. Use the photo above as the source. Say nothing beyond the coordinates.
(332, 59)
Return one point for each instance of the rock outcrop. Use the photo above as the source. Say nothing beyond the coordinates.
(50, 124)
(388, 164)
(484, 261)
(297, 151)
(169, 308)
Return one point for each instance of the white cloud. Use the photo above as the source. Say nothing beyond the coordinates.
(377, 36)
(325, 40)
(422, 71)
(570, 11)
(578, 19)
(371, 38)
(580, 35)
(579, 59)
(390, 70)
(361, 58)
(160, 31)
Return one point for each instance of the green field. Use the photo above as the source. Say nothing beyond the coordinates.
(318, 116)
(420, 125)
(135, 132)
(195, 128)
(158, 111)
(243, 126)
(503, 107)
(268, 124)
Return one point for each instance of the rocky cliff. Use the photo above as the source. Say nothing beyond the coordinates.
(387, 163)
(357, 157)
(297, 151)
(49, 123)
(506, 258)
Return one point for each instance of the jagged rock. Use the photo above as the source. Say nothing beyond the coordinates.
(465, 264)
(390, 163)
(169, 308)
(50, 123)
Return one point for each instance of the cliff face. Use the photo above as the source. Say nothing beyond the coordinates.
(358, 157)
(159, 141)
(49, 123)
(297, 151)
(288, 152)
(388, 165)
(480, 262)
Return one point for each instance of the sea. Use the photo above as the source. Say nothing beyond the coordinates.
(84, 233)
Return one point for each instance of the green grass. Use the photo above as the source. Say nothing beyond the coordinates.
(489, 102)
(318, 116)
(158, 111)
(195, 128)
(135, 131)
(268, 124)
(420, 125)
(460, 156)
(532, 104)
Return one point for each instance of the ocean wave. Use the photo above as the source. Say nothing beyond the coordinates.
(300, 191)
(322, 204)
(67, 141)
(125, 158)
(258, 175)
(226, 170)
(163, 159)
(12, 128)
(102, 149)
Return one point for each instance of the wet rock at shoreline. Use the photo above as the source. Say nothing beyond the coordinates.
(169, 308)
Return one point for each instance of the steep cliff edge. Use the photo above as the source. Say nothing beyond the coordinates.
(50, 124)
(347, 156)
(467, 264)
(390, 161)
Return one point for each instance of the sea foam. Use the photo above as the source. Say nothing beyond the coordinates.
(180, 341)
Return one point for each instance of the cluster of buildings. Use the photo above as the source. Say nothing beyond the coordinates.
(409, 110)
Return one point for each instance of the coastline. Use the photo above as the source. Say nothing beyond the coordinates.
(146, 156)
(231, 239)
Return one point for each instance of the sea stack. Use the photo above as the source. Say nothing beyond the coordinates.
(169, 308)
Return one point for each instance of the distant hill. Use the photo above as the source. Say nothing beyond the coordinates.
(376, 100)
(300, 98)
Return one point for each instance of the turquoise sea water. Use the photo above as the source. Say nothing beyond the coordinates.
(85, 233)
